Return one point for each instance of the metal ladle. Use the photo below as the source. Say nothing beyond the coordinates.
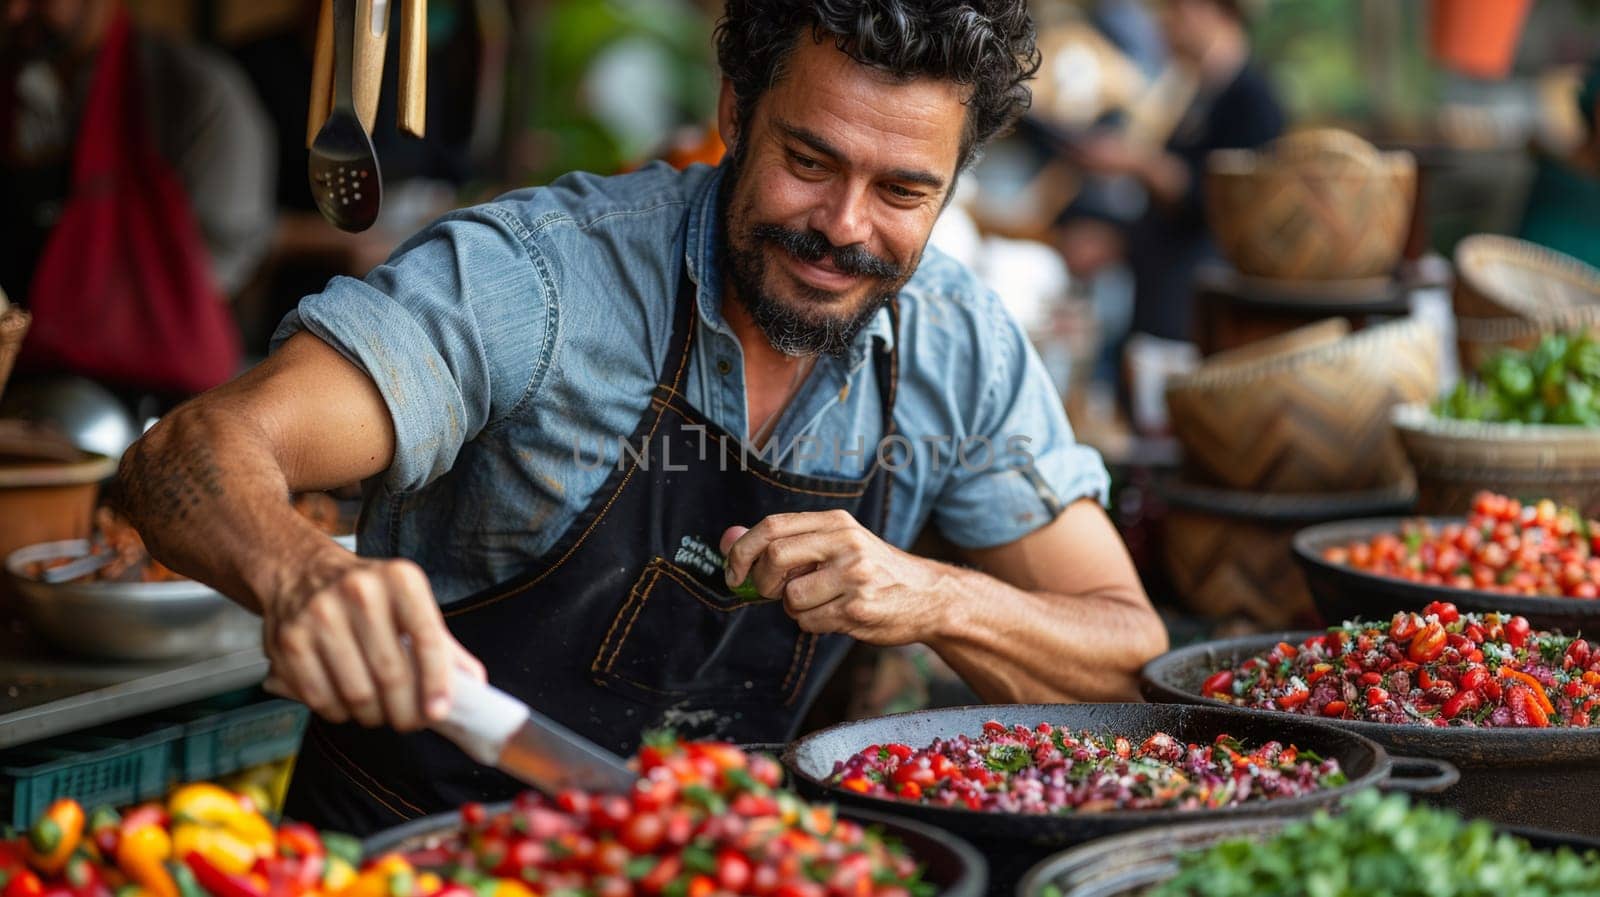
(343, 166)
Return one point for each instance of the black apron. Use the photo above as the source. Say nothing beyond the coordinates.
(625, 623)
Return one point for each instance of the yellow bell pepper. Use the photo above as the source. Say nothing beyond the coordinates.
(429, 883)
(214, 805)
(376, 880)
(142, 855)
(510, 887)
(337, 875)
(204, 802)
(221, 847)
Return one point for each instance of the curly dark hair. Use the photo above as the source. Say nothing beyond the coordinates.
(987, 45)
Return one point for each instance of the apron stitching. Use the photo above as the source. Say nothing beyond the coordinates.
(345, 767)
(644, 597)
(794, 661)
(632, 469)
(694, 588)
(811, 651)
(599, 664)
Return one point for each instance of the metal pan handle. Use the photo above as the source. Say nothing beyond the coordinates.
(1419, 775)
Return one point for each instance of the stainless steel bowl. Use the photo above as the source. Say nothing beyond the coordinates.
(128, 621)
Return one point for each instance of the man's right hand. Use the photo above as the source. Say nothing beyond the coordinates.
(363, 639)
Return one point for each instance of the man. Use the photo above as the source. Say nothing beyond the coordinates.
(136, 175)
(558, 401)
(1233, 108)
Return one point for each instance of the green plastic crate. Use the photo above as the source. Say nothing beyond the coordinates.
(219, 744)
(116, 766)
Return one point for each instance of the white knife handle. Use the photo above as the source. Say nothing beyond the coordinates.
(481, 719)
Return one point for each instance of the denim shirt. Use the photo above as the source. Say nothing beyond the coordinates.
(516, 344)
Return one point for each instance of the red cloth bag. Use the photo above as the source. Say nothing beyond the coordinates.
(124, 292)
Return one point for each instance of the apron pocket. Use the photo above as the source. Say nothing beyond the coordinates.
(675, 638)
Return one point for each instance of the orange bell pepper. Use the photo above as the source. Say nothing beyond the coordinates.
(142, 855)
(54, 836)
(1534, 685)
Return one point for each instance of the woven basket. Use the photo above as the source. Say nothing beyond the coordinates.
(1315, 419)
(1317, 205)
(1454, 460)
(1228, 553)
(1509, 293)
(1503, 277)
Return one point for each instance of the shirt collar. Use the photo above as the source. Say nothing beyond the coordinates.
(702, 256)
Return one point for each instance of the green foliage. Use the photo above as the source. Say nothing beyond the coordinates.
(1383, 847)
(1558, 382)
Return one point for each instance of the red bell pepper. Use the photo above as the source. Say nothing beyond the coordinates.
(296, 839)
(23, 883)
(219, 883)
(84, 876)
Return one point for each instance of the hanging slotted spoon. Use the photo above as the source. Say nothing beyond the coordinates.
(343, 166)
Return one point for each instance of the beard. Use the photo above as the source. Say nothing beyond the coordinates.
(805, 325)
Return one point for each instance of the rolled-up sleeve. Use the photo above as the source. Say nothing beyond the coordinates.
(456, 329)
(1037, 467)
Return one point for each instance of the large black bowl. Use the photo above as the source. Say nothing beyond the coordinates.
(1345, 593)
(1546, 778)
(1014, 842)
(1126, 865)
(948, 862)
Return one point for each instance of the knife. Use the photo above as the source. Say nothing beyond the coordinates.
(498, 730)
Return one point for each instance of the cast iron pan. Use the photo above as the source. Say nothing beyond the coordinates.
(1545, 778)
(1014, 842)
(1344, 593)
(950, 863)
(1125, 865)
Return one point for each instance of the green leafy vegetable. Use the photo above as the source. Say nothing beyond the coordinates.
(1557, 382)
(1383, 847)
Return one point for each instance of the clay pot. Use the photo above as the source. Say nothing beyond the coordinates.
(48, 488)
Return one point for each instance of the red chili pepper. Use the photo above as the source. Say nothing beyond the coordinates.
(1334, 708)
(219, 883)
(1220, 682)
(1463, 700)
(1293, 699)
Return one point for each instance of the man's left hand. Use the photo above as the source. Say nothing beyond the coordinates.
(834, 575)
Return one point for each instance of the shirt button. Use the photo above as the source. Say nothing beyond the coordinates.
(724, 366)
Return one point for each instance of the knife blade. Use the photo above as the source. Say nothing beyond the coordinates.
(498, 730)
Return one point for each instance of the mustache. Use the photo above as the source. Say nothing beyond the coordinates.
(812, 246)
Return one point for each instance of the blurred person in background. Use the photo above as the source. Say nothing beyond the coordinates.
(1563, 210)
(1234, 107)
(137, 186)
